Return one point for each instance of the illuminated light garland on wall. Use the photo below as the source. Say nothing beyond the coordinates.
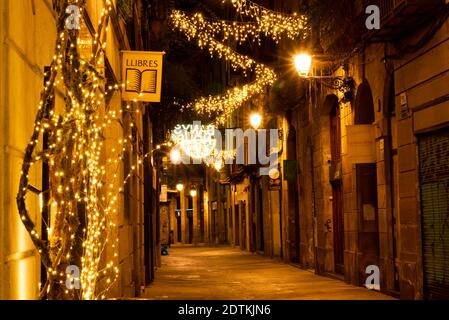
(205, 32)
(79, 174)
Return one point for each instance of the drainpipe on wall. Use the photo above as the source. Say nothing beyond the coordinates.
(314, 218)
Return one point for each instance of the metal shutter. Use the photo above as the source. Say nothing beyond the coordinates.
(434, 184)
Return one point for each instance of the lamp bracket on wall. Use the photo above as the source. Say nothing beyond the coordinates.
(342, 84)
(345, 85)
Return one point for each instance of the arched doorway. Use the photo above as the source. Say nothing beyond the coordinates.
(364, 105)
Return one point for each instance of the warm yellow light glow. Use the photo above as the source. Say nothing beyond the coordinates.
(218, 165)
(274, 174)
(175, 156)
(195, 140)
(193, 193)
(180, 187)
(303, 64)
(83, 150)
(256, 120)
(273, 24)
(41, 202)
(24, 277)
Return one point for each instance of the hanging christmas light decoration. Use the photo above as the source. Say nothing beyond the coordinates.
(271, 22)
(225, 104)
(196, 141)
(220, 157)
(206, 32)
(294, 27)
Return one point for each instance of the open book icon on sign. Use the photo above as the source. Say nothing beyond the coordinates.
(141, 81)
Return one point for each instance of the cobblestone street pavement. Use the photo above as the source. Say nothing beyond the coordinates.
(206, 273)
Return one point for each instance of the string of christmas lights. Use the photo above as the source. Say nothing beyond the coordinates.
(80, 174)
(225, 104)
(244, 31)
(272, 22)
(206, 31)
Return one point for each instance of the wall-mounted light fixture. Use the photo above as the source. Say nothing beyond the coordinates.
(175, 156)
(255, 120)
(304, 63)
(218, 165)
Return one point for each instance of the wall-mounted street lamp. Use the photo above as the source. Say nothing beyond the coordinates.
(175, 156)
(218, 165)
(255, 120)
(179, 187)
(193, 193)
(274, 174)
(304, 63)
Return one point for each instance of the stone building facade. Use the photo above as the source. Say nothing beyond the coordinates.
(370, 153)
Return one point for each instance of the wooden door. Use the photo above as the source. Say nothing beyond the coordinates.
(337, 192)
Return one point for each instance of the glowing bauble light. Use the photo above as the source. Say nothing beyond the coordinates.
(193, 193)
(195, 140)
(180, 187)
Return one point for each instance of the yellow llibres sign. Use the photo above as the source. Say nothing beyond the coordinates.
(142, 75)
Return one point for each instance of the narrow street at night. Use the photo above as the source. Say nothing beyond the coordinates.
(174, 154)
(224, 273)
